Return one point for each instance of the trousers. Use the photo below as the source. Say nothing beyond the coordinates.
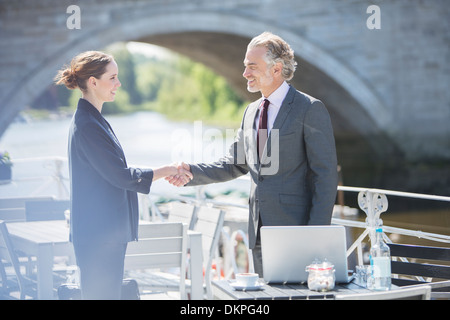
(256, 251)
(101, 270)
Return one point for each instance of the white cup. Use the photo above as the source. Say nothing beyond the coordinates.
(247, 279)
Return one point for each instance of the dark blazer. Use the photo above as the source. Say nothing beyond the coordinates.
(295, 183)
(104, 204)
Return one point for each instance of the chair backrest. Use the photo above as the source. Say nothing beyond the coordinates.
(426, 270)
(182, 212)
(9, 257)
(43, 210)
(411, 293)
(19, 202)
(12, 214)
(160, 245)
(13, 209)
(210, 224)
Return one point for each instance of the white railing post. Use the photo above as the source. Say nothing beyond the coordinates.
(59, 178)
(373, 204)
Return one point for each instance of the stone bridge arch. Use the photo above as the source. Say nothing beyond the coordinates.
(219, 41)
(386, 89)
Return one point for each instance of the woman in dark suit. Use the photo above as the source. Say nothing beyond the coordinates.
(104, 203)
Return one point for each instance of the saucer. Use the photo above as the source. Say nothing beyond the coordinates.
(258, 286)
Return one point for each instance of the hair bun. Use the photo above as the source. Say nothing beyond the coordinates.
(71, 79)
(67, 77)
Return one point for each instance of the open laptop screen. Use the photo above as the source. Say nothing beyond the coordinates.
(287, 250)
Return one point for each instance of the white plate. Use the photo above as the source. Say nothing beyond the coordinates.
(237, 286)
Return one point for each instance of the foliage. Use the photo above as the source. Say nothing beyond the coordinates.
(174, 86)
(194, 92)
(5, 158)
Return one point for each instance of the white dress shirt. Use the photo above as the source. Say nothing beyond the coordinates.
(276, 99)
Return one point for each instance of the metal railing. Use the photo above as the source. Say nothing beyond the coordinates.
(374, 202)
(54, 177)
(371, 201)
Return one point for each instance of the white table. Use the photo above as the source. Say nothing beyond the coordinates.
(223, 290)
(47, 239)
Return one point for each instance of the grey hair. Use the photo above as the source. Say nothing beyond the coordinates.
(278, 50)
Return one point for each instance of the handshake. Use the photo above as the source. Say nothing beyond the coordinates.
(176, 174)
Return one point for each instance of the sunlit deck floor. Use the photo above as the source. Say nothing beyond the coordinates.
(146, 293)
(160, 296)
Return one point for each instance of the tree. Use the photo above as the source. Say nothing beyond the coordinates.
(127, 75)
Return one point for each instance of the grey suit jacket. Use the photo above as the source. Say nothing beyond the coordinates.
(295, 182)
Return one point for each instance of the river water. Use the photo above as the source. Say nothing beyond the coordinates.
(150, 140)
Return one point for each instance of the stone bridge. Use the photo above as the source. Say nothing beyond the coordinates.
(381, 67)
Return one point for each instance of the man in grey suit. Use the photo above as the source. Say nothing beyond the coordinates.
(294, 172)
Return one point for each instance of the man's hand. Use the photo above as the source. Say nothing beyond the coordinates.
(183, 176)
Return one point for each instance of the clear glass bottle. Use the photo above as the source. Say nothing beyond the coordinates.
(380, 261)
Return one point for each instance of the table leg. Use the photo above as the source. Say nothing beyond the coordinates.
(45, 272)
(196, 266)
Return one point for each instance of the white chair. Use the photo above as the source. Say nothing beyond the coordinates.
(182, 212)
(160, 246)
(40, 210)
(422, 292)
(12, 214)
(210, 224)
(13, 209)
(10, 272)
(19, 202)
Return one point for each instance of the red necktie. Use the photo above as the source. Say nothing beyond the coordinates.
(262, 136)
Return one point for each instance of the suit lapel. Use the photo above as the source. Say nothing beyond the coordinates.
(112, 134)
(87, 106)
(284, 109)
(251, 118)
(253, 113)
(114, 138)
(281, 116)
(250, 132)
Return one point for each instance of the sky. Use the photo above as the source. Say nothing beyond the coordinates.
(148, 49)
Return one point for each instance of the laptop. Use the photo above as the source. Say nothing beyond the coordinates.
(287, 250)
